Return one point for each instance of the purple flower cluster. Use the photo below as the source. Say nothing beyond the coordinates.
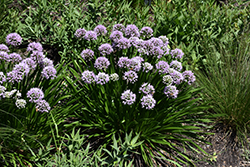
(119, 27)
(133, 40)
(188, 77)
(88, 77)
(132, 31)
(167, 80)
(123, 43)
(80, 33)
(123, 62)
(47, 62)
(4, 56)
(14, 39)
(4, 48)
(147, 88)
(147, 67)
(90, 35)
(176, 65)
(101, 63)
(165, 50)
(100, 30)
(176, 76)
(2, 78)
(148, 102)
(35, 95)
(42, 106)
(49, 72)
(164, 40)
(157, 52)
(105, 49)
(87, 54)
(135, 64)
(37, 56)
(114, 77)
(116, 36)
(171, 91)
(146, 32)
(162, 67)
(130, 76)
(30, 62)
(177, 53)
(102, 78)
(15, 58)
(128, 97)
(34, 46)
(156, 42)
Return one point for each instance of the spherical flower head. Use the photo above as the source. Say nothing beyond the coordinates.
(139, 58)
(101, 63)
(30, 62)
(42, 106)
(147, 45)
(4, 48)
(35, 46)
(2, 91)
(156, 42)
(146, 32)
(119, 27)
(147, 88)
(22, 68)
(14, 76)
(147, 67)
(139, 43)
(189, 77)
(100, 30)
(116, 35)
(123, 43)
(20, 103)
(105, 49)
(133, 40)
(49, 72)
(177, 77)
(132, 31)
(114, 77)
(4, 56)
(176, 65)
(167, 80)
(142, 52)
(102, 78)
(35, 95)
(164, 40)
(80, 33)
(90, 35)
(87, 54)
(123, 62)
(2, 78)
(47, 62)
(130, 76)
(88, 77)
(128, 97)
(156, 52)
(171, 91)
(162, 67)
(14, 39)
(37, 56)
(165, 50)
(177, 53)
(148, 102)
(135, 64)
(15, 58)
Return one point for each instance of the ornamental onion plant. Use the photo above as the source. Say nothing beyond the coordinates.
(136, 82)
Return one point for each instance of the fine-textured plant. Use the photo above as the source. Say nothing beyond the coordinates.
(137, 84)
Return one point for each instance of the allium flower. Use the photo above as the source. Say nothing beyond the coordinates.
(133, 40)
(4, 48)
(35, 46)
(164, 40)
(138, 43)
(14, 39)
(14, 76)
(20, 103)
(128, 97)
(147, 45)
(119, 27)
(188, 77)
(4, 56)
(156, 42)
(114, 77)
(124, 62)
(18, 95)
(42, 106)
(30, 62)
(87, 54)
(147, 88)
(135, 64)
(130, 76)
(146, 32)
(90, 35)
(176, 65)
(132, 31)
(102, 78)
(101, 63)
(116, 35)
(171, 91)
(35, 95)
(157, 52)
(88, 77)
(2, 78)
(37, 56)
(177, 53)
(80, 33)
(142, 52)
(139, 58)
(15, 58)
(47, 62)
(9, 94)
(2, 91)
(177, 77)
(123, 43)
(49, 72)
(162, 67)
(105, 49)
(167, 80)
(21, 68)
(148, 102)
(165, 50)
(100, 30)
(147, 67)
